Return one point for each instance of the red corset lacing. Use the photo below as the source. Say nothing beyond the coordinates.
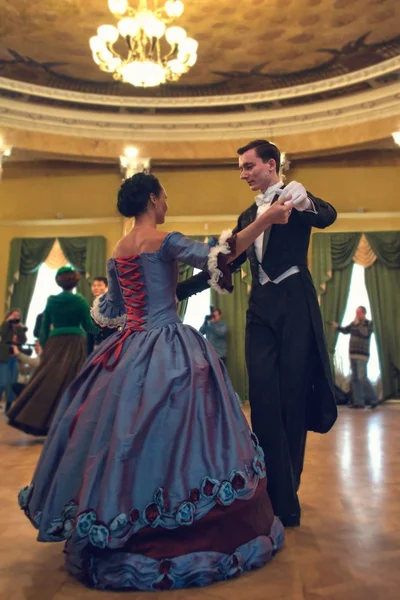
(130, 279)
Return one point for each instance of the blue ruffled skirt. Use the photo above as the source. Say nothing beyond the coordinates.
(150, 473)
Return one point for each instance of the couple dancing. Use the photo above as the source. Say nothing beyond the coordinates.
(150, 473)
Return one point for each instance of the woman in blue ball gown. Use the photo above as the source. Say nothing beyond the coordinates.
(150, 473)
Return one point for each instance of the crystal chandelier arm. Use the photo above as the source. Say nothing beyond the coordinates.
(153, 45)
(158, 48)
(132, 47)
(173, 52)
(110, 48)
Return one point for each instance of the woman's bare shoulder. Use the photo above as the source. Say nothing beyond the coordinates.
(138, 243)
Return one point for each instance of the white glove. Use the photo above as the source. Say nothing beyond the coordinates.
(300, 200)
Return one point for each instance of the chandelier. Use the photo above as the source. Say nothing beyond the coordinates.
(140, 59)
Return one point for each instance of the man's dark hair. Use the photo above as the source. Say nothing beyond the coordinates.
(363, 309)
(218, 310)
(103, 279)
(264, 150)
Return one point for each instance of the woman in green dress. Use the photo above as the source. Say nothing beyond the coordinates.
(62, 337)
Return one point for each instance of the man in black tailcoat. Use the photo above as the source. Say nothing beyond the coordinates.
(290, 382)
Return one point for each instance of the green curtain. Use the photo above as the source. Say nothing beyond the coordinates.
(343, 248)
(331, 251)
(332, 266)
(26, 256)
(233, 307)
(88, 256)
(321, 261)
(333, 305)
(382, 280)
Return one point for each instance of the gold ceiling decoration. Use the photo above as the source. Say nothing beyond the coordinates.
(142, 62)
(244, 48)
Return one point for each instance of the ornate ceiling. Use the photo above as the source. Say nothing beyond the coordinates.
(293, 70)
(244, 47)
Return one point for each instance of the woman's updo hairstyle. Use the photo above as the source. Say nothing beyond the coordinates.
(134, 194)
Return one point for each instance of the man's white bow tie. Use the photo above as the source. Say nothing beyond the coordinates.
(265, 198)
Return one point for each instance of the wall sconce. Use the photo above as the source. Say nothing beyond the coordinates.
(131, 163)
(5, 152)
(396, 137)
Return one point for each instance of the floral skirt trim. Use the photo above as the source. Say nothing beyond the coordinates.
(119, 570)
(74, 524)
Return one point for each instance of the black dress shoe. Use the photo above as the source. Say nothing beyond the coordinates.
(290, 520)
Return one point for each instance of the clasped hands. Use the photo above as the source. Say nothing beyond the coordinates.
(299, 199)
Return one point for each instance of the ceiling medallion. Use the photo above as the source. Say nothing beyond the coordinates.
(146, 33)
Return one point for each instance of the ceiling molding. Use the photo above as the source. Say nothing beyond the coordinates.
(383, 68)
(343, 111)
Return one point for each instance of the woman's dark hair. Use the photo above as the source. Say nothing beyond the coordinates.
(68, 280)
(134, 194)
(264, 150)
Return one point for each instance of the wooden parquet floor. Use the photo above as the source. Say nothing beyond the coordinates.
(347, 548)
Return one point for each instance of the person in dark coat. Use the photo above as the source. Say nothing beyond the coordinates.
(290, 381)
(12, 332)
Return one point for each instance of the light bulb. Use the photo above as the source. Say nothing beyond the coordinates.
(144, 17)
(118, 7)
(143, 74)
(106, 56)
(114, 64)
(396, 137)
(188, 46)
(174, 8)
(96, 58)
(154, 28)
(176, 66)
(96, 44)
(131, 151)
(192, 60)
(128, 26)
(175, 35)
(108, 33)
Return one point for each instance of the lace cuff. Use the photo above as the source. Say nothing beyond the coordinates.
(106, 314)
(220, 273)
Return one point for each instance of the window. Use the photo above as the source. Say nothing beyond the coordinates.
(198, 307)
(358, 296)
(45, 287)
